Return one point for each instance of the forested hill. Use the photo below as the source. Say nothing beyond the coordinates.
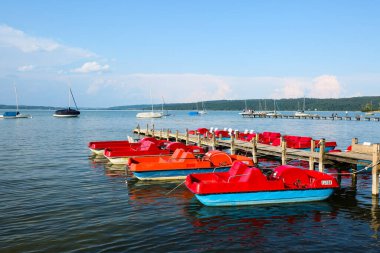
(329, 104)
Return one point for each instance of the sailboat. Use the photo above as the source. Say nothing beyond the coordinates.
(203, 111)
(370, 111)
(165, 113)
(274, 112)
(16, 114)
(69, 112)
(246, 111)
(151, 114)
(302, 113)
(196, 112)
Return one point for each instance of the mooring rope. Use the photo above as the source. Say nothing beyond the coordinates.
(356, 172)
(175, 188)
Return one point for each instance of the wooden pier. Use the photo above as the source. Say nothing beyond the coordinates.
(317, 117)
(367, 155)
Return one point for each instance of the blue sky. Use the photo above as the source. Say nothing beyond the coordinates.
(115, 52)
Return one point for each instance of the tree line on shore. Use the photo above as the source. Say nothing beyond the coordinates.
(365, 104)
(290, 104)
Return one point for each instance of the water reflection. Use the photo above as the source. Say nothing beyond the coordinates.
(375, 216)
(214, 218)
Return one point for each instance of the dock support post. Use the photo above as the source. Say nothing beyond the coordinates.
(138, 130)
(153, 130)
(321, 157)
(232, 144)
(176, 135)
(311, 158)
(167, 134)
(236, 135)
(147, 130)
(254, 150)
(354, 141)
(283, 151)
(161, 134)
(213, 141)
(375, 169)
(354, 178)
(199, 140)
(187, 136)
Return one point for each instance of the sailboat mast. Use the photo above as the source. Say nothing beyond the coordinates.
(151, 100)
(303, 108)
(16, 97)
(71, 92)
(69, 97)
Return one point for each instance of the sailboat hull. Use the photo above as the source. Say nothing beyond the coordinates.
(20, 116)
(143, 115)
(66, 113)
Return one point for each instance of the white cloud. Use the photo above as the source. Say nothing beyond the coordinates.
(290, 88)
(18, 47)
(135, 88)
(25, 68)
(10, 37)
(325, 86)
(91, 67)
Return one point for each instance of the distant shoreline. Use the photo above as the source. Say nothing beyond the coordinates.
(291, 104)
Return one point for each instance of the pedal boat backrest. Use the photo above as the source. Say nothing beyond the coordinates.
(148, 146)
(218, 158)
(292, 177)
(241, 173)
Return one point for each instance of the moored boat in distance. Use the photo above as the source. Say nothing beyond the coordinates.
(15, 114)
(69, 112)
(302, 113)
(182, 163)
(147, 115)
(66, 113)
(243, 185)
(203, 111)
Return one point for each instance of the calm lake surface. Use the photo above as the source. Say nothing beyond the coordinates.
(56, 198)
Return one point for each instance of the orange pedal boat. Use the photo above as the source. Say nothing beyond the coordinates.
(181, 163)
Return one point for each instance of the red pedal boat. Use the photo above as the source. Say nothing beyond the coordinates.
(243, 185)
(98, 147)
(147, 148)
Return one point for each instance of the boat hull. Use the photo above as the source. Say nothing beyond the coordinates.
(97, 151)
(118, 160)
(147, 115)
(175, 173)
(19, 116)
(264, 197)
(66, 116)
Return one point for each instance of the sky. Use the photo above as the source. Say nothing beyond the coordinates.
(126, 52)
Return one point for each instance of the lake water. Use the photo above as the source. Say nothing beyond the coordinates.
(55, 198)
